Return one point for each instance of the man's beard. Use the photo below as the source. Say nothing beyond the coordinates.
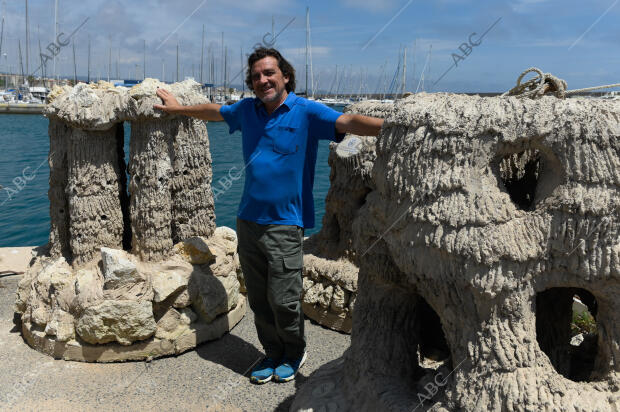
(276, 97)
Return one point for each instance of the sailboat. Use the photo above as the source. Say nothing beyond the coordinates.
(309, 54)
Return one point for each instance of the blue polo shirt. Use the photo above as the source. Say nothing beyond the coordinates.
(280, 152)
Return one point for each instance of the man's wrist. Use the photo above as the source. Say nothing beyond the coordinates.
(178, 109)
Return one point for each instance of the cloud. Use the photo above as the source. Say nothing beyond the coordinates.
(525, 6)
(317, 51)
(371, 5)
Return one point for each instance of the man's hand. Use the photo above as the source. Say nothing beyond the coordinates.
(209, 111)
(171, 105)
(359, 125)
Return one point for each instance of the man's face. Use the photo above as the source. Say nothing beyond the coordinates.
(267, 80)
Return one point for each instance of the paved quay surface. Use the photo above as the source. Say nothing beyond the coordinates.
(212, 373)
(15, 259)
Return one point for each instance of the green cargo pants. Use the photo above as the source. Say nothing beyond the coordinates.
(271, 258)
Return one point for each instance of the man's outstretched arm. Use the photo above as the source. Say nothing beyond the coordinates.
(359, 125)
(209, 111)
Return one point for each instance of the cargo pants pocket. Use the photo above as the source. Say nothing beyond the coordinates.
(286, 284)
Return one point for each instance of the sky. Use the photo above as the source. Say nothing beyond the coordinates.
(362, 41)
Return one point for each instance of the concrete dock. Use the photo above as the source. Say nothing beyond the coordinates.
(21, 108)
(214, 373)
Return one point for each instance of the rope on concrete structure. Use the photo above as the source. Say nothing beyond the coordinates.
(587, 89)
(540, 85)
(546, 83)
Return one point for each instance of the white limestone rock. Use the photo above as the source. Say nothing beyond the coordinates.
(174, 323)
(169, 280)
(88, 288)
(124, 321)
(40, 316)
(195, 250)
(118, 269)
(61, 325)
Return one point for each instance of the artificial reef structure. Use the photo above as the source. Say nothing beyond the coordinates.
(481, 220)
(134, 269)
(330, 259)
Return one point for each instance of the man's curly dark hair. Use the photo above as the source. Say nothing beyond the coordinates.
(285, 67)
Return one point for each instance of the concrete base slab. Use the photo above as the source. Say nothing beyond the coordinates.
(152, 348)
(342, 322)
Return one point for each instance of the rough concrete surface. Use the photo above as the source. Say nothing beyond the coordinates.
(330, 268)
(211, 374)
(486, 217)
(111, 273)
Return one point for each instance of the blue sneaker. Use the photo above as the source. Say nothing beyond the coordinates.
(264, 371)
(287, 370)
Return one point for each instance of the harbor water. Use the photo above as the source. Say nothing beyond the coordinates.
(24, 177)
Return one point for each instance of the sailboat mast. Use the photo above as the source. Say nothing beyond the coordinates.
(430, 55)
(415, 47)
(312, 83)
(40, 55)
(110, 58)
(202, 54)
(307, 44)
(404, 72)
(222, 78)
(27, 38)
(74, 64)
(2, 36)
(144, 62)
(177, 61)
(56, 32)
(21, 63)
(225, 70)
(242, 78)
(88, 75)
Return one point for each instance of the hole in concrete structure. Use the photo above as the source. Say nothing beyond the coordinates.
(362, 200)
(121, 155)
(104, 217)
(519, 173)
(566, 330)
(433, 345)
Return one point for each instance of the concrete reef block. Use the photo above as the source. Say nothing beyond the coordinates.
(111, 276)
(170, 167)
(151, 308)
(485, 218)
(330, 268)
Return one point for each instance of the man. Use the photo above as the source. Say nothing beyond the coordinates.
(280, 133)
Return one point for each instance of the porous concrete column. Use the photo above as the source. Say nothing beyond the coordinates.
(150, 170)
(193, 208)
(59, 205)
(94, 189)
